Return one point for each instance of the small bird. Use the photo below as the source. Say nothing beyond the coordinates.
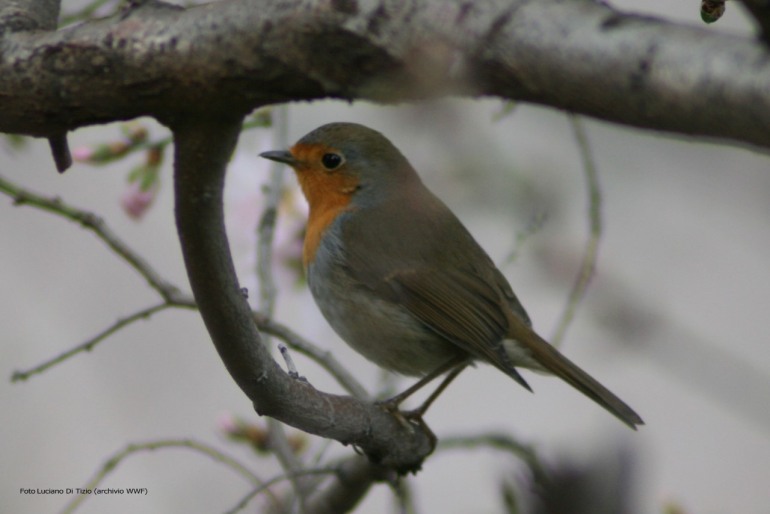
(399, 277)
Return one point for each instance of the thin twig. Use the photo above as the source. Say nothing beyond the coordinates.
(321, 356)
(131, 449)
(95, 224)
(291, 368)
(588, 264)
(260, 119)
(174, 298)
(354, 478)
(403, 496)
(266, 228)
(503, 442)
(88, 345)
(280, 478)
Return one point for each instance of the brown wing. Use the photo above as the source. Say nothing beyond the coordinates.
(466, 309)
(461, 307)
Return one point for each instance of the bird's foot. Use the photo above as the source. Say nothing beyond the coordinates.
(410, 419)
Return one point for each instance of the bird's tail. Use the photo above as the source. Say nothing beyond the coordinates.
(554, 362)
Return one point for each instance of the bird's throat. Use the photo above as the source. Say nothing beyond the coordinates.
(328, 197)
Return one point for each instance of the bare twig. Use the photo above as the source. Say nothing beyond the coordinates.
(95, 224)
(189, 444)
(168, 291)
(277, 479)
(503, 442)
(403, 496)
(266, 228)
(291, 368)
(88, 345)
(259, 119)
(588, 264)
(324, 358)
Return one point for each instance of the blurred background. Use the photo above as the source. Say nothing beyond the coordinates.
(674, 321)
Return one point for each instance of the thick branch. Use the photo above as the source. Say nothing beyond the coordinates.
(760, 10)
(202, 150)
(354, 478)
(26, 15)
(235, 55)
(35, 15)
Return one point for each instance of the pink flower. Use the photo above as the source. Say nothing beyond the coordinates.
(228, 424)
(135, 202)
(82, 154)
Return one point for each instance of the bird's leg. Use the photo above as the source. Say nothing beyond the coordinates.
(414, 417)
(392, 404)
(422, 409)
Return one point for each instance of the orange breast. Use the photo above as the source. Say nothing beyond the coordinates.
(328, 193)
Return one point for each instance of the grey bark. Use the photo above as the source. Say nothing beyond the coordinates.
(235, 55)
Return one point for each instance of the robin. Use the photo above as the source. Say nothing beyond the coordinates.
(399, 277)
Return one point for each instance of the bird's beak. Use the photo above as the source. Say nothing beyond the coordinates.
(283, 156)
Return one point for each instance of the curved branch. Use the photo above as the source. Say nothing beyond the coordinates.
(591, 251)
(234, 55)
(202, 150)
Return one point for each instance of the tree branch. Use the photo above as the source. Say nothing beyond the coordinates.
(324, 358)
(95, 224)
(760, 11)
(28, 15)
(167, 291)
(202, 150)
(89, 345)
(188, 444)
(503, 442)
(37, 15)
(234, 55)
(354, 477)
(591, 250)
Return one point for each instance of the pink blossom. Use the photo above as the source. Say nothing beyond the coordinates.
(82, 154)
(227, 423)
(135, 202)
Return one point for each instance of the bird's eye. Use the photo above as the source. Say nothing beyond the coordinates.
(331, 160)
